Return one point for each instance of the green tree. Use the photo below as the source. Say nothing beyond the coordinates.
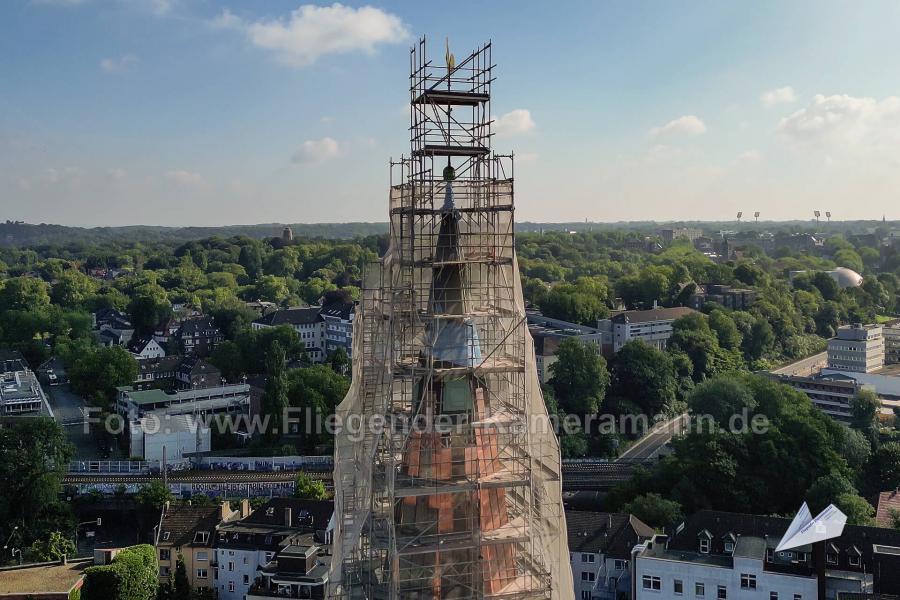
(883, 470)
(308, 488)
(24, 293)
(827, 489)
(149, 306)
(96, 373)
(857, 509)
(35, 455)
(73, 289)
(275, 397)
(726, 331)
(644, 376)
(579, 377)
(132, 575)
(722, 398)
(181, 585)
(153, 496)
(864, 408)
(55, 547)
(654, 510)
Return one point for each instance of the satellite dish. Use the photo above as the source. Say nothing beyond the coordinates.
(805, 530)
(756, 214)
(740, 214)
(828, 214)
(817, 213)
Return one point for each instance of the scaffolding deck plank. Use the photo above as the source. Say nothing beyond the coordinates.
(451, 150)
(452, 98)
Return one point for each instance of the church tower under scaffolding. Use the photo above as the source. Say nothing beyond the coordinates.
(447, 472)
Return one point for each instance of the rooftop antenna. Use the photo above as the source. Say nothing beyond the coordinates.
(818, 214)
(756, 216)
(828, 216)
(739, 215)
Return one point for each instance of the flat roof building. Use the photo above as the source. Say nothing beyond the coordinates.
(857, 348)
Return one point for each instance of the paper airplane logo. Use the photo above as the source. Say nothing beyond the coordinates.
(805, 529)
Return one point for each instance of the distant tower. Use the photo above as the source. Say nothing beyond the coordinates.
(458, 496)
(287, 235)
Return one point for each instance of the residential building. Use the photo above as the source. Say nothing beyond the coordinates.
(299, 570)
(58, 580)
(547, 333)
(189, 532)
(145, 346)
(727, 556)
(308, 324)
(726, 295)
(198, 336)
(337, 319)
(670, 235)
(653, 326)
(114, 327)
(891, 333)
(600, 547)
(857, 348)
(887, 509)
(245, 549)
(165, 331)
(156, 372)
(20, 391)
(194, 372)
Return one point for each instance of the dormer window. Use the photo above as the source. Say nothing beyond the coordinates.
(729, 547)
(831, 558)
(201, 537)
(704, 545)
(165, 536)
(728, 541)
(270, 511)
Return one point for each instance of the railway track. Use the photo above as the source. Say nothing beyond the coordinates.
(576, 476)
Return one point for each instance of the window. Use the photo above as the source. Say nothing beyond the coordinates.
(798, 596)
(854, 561)
(202, 574)
(164, 571)
(202, 556)
(748, 582)
(588, 576)
(773, 595)
(704, 545)
(585, 595)
(651, 582)
(587, 558)
(201, 537)
(699, 589)
(729, 547)
(619, 564)
(165, 536)
(831, 558)
(246, 580)
(231, 565)
(722, 592)
(678, 587)
(230, 586)
(164, 554)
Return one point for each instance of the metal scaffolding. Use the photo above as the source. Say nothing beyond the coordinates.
(448, 486)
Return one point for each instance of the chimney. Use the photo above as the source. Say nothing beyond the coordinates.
(166, 507)
(287, 516)
(225, 510)
(245, 508)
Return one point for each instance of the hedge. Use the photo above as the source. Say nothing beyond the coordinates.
(132, 575)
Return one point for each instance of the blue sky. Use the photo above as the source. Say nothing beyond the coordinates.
(203, 112)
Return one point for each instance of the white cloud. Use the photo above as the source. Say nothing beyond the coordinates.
(185, 178)
(226, 20)
(514, 122)
(316, 151)
(846, 124)
(686, 125)
(117, 174)
(119, 65)
(311, 32)
(782, 95)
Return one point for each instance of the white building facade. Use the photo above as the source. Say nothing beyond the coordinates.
(857, 348)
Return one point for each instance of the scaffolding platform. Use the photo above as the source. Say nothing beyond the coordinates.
(452, 98)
